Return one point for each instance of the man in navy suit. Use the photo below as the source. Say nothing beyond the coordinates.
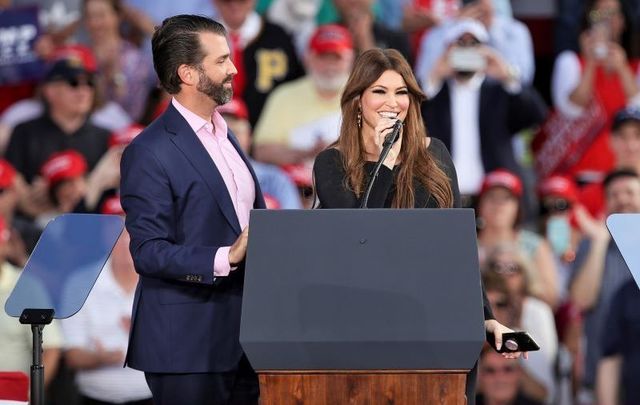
(187, 189)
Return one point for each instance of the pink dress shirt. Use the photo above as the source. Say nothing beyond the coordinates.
(234, 172)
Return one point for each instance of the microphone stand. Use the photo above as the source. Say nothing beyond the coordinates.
(386, 148)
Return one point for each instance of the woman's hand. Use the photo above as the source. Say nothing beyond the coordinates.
(382, 130)
(616, 58)
(498, 329)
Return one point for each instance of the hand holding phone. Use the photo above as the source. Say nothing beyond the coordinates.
(514, 342)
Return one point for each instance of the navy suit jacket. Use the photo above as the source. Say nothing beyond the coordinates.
(179, 213)
(500, 116)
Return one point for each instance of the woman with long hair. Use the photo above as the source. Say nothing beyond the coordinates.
(417, 172)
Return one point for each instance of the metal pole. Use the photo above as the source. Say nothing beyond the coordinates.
(37, 369)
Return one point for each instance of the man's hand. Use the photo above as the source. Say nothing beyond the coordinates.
(238, 250)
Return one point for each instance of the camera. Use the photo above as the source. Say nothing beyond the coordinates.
(467, 60)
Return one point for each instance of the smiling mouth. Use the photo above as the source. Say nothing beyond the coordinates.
(388, 114)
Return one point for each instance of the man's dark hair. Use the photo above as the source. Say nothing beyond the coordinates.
(619, 174)
(176, 42)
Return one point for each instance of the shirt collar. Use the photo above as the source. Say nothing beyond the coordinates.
(195, 121)
(216, 126)
(473, 83)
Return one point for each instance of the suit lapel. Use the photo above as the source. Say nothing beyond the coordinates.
(187, 141)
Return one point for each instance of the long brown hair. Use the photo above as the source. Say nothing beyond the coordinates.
(417, 162)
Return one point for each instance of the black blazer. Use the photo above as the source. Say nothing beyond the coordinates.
(501, 115)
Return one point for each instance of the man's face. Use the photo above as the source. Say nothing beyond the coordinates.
(623, 195)
(72, 96)
(625, 143)
(345, 6)
(234, 12)
(330, 70)
(216, 71)
(498, 378)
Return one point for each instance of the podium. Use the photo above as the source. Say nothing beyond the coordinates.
(351, 306)
(625, 231)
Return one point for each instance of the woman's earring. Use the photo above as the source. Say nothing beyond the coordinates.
(359, 119)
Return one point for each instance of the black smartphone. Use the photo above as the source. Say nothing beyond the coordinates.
(514, 342)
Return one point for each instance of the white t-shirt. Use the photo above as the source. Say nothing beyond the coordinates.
(102, 320)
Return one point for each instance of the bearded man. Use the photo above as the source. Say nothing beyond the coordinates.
(187, 189)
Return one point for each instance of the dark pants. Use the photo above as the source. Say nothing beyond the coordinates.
(91, 401)
(236, 387)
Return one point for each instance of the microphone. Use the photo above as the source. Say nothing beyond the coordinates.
(387, 144)
(393, 136)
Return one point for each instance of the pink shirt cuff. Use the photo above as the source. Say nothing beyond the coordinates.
(221, 266)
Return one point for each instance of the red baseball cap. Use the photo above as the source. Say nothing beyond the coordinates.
(502, 178)
(69, 62)
(559, 186)
(112, 206)
(235, 107)
(7, 174)
(300, 173)
(124, 136)
(63, 165)
(79, 55)
(331, 38)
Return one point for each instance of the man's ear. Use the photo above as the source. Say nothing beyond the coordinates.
(187, 75)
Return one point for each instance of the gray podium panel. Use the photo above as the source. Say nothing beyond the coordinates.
(362, 289)
(625, 230)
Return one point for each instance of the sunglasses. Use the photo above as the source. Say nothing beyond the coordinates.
(507, 369)
(76, 82)
(555, 206)
(502, 304)
(467, 43)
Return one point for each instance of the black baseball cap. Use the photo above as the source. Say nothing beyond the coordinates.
(625, 115)
(69, 63)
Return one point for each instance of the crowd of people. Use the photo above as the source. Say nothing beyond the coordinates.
(541, 174)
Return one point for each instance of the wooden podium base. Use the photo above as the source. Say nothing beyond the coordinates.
(406, 387)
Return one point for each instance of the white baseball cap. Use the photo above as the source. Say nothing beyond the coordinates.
(466, 26)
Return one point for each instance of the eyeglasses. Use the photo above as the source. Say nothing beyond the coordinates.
(597, 16)
(506, 369)
(506, 268)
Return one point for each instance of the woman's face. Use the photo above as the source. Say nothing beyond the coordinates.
(498, 208)
(386, 97)
(70, 192)
(100, 18)
(513, 275)
(610, 13)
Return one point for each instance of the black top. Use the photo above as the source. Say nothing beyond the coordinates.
(329, 174)
(520, 399)
(500, 115)
(623, 338)
(332, 192)
(34, 141)
(269, 60)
